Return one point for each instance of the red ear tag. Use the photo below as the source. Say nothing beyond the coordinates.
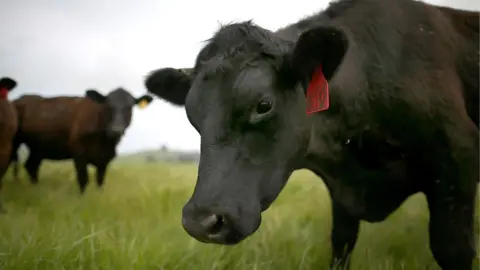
(3, 93)
(318, 98)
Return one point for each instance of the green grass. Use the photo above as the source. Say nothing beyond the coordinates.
(134, 223)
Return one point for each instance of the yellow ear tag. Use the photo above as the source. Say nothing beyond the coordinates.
(142, 104)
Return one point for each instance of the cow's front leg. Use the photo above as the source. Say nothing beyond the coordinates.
(451, 200)
(32, 165)
(344, 236)
(5, 151)
(452, 230)
(452, 237)
(101, 170)
(82, 174)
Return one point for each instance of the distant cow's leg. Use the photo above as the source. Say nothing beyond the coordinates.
(4, 159)
(4, 162)
(14, 158)
(82, 175)
(344, 236)
(101, 169)
(32, 166)
(14, 163)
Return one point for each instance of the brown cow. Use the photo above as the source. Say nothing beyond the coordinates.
(8, 125)
(85, 129)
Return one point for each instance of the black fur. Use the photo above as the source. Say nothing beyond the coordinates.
(8, 83)
(403, 119)
(168, 83)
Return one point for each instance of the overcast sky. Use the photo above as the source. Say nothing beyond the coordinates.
(55, 47)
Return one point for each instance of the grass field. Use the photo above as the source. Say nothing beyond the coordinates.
(134, 223)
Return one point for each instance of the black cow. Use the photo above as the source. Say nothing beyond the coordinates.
(396, 124)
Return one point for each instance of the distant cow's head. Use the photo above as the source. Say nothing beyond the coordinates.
(118, 106)
(6, 85)
(246, 98)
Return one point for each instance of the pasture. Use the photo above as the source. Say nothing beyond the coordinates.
(135, 223)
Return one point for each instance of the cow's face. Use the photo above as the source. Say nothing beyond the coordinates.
(118, 106)
(6, 85)
(245, 98)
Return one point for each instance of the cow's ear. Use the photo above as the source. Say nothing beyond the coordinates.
(95, 96)
(170, 84)
(143, 101)
(7, 83)
(322, 47)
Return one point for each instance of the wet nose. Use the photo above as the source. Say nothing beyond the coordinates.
(206, 226)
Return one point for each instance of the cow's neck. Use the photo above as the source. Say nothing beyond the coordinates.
(111, 140)
(331, 134)
(100, 137)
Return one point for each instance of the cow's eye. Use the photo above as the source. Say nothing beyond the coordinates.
(264, 106)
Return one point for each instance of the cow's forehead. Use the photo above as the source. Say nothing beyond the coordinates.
(240, 40)
(120, 94)
(236, 81)
(224, 65)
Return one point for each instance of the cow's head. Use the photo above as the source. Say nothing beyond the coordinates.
(246, 98)
(6, 85)
(118, 106)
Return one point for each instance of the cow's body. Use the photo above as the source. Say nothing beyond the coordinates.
(467, 25)
(8, 125)
(61, 128)
(403, 119)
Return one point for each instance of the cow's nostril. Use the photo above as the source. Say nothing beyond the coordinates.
(218, 226)
(213, 224)
(209, 221)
